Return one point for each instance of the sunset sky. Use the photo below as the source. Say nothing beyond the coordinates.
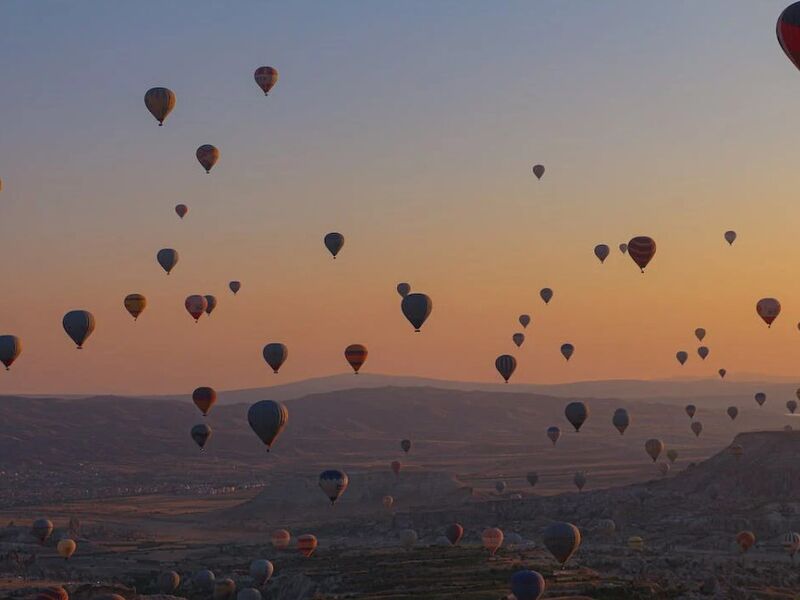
(411, 128)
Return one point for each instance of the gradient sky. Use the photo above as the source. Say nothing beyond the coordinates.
(411, 128)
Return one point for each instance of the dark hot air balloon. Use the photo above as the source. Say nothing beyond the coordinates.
(267, 418)
(621, 420)
(527, 585)
(682, 356)
(79, 325)
(641, 249)
(355, 355)
(181, 210)
(204, 398)
(266, 78)
(333, 483)
(159, 101)
(334, 242)
(576, 413)
(275, 354)
(167, 258)
(207, 155)
(454, 533)
(562, 540)
(416, 308)
(601, 251)
(505, 365)
(200, 434)
(10, 349)
(538, 170)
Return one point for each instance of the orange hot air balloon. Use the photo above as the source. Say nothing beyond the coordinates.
(159, 101)
(181, 210)
(196, 305)
(642, 249)
(204, 398)
(768, 309)
(66, 548)
(356, 355)
(746, 540)
(135, 304)
(207, 156)
(280, 539)
(306, 544)
(266, 78)
(492, 539)
(396, 467)
(53, 593)
(388, 502)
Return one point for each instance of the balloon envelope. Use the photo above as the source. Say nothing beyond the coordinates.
(621, 420)
(211, 303)
(690, 410)
(168, 582)
(275, 354)
(267, 419)
(518, 339)
(546, 294)
(280, 539)
(181, 210)
(404, 289)
(405, 445)
(700, 333)
(454, 533)
(702, 352)
(333, 483)
(200, 434)
(334, 242)
(787, 30)
(733, 412)
(562, 540)
(196, 305)
(10, 349)
(576, 413)
(527, 585)
(159, 101)
(135, 304)
(553, 433)
(761, 397)
(524, 320)
(306, 544)
(266, 78)
(567, 350)
(682, 356)
(538, 170)
(492, 539)
(623, 247)
(416, 308)
(505, 365)
(355, 355)
(532, 477)
(601, 251)
(791, 405)
(654, 447)
(697, 428)
(167, 258)
(207, 155)
(79, 325)
(641, 249)
(235, 286)
(204, 398)
(768, 309)
(730, 237)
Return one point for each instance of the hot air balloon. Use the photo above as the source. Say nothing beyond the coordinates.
(524, 320)
(416, 308)
(761, 397)
(697, 427)
(492, 539)
(792, 406)
(275, 354)
(562, 540)
(224, 589)
(405, 445)
(249, 594)
(135, 304)
(196, 305)
(663, 468)
(395, 466)
(200, 434)
(579, 479)
(333, 483)
(768, 309)
(621, 420)
(454, 533)
(576, 413)
(79, 325)
(211, 303)
(167, 258)
(41, 529)
(746, 540)
(53, 593)
(518, 339)
(538, 170)
(672, 455)
(732, 412)
(788, 32)
(654, 447)
(204, 398)
(168, 582)
(702, 352)
(280, 539)
(527, 585)
(641, 249)
(356, 355)
(267, 418)
(204, 580)
(567, 350)
(700, 333)
(261, 571)
(553, 433)
(408, 538)
(791, 543)
(207, 155)
(266, 78)
(682, 356)
(306, 544)
(10, 349)
(159, 101)
(601, 251)
(636, 543)
(404, 289)
(546, 294)
(181, 210)
(500, 486)
(505, 365)
(722, 373)
(533, 478)
(690, 410)
(388, 501)
(235, 286)
(334, 242)
(66, 548)
(730, 237)
(623, 247)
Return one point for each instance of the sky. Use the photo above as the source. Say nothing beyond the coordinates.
(411, 128)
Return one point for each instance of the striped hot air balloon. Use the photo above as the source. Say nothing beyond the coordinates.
(768, 309)
(207, 155)
(306, 544)
(641, 249)
(204, 398)
(266, 78)
(787, 30)
(159, 101)
(505, 365)
(356, 355)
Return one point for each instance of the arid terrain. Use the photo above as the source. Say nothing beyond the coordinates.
(144, 499)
